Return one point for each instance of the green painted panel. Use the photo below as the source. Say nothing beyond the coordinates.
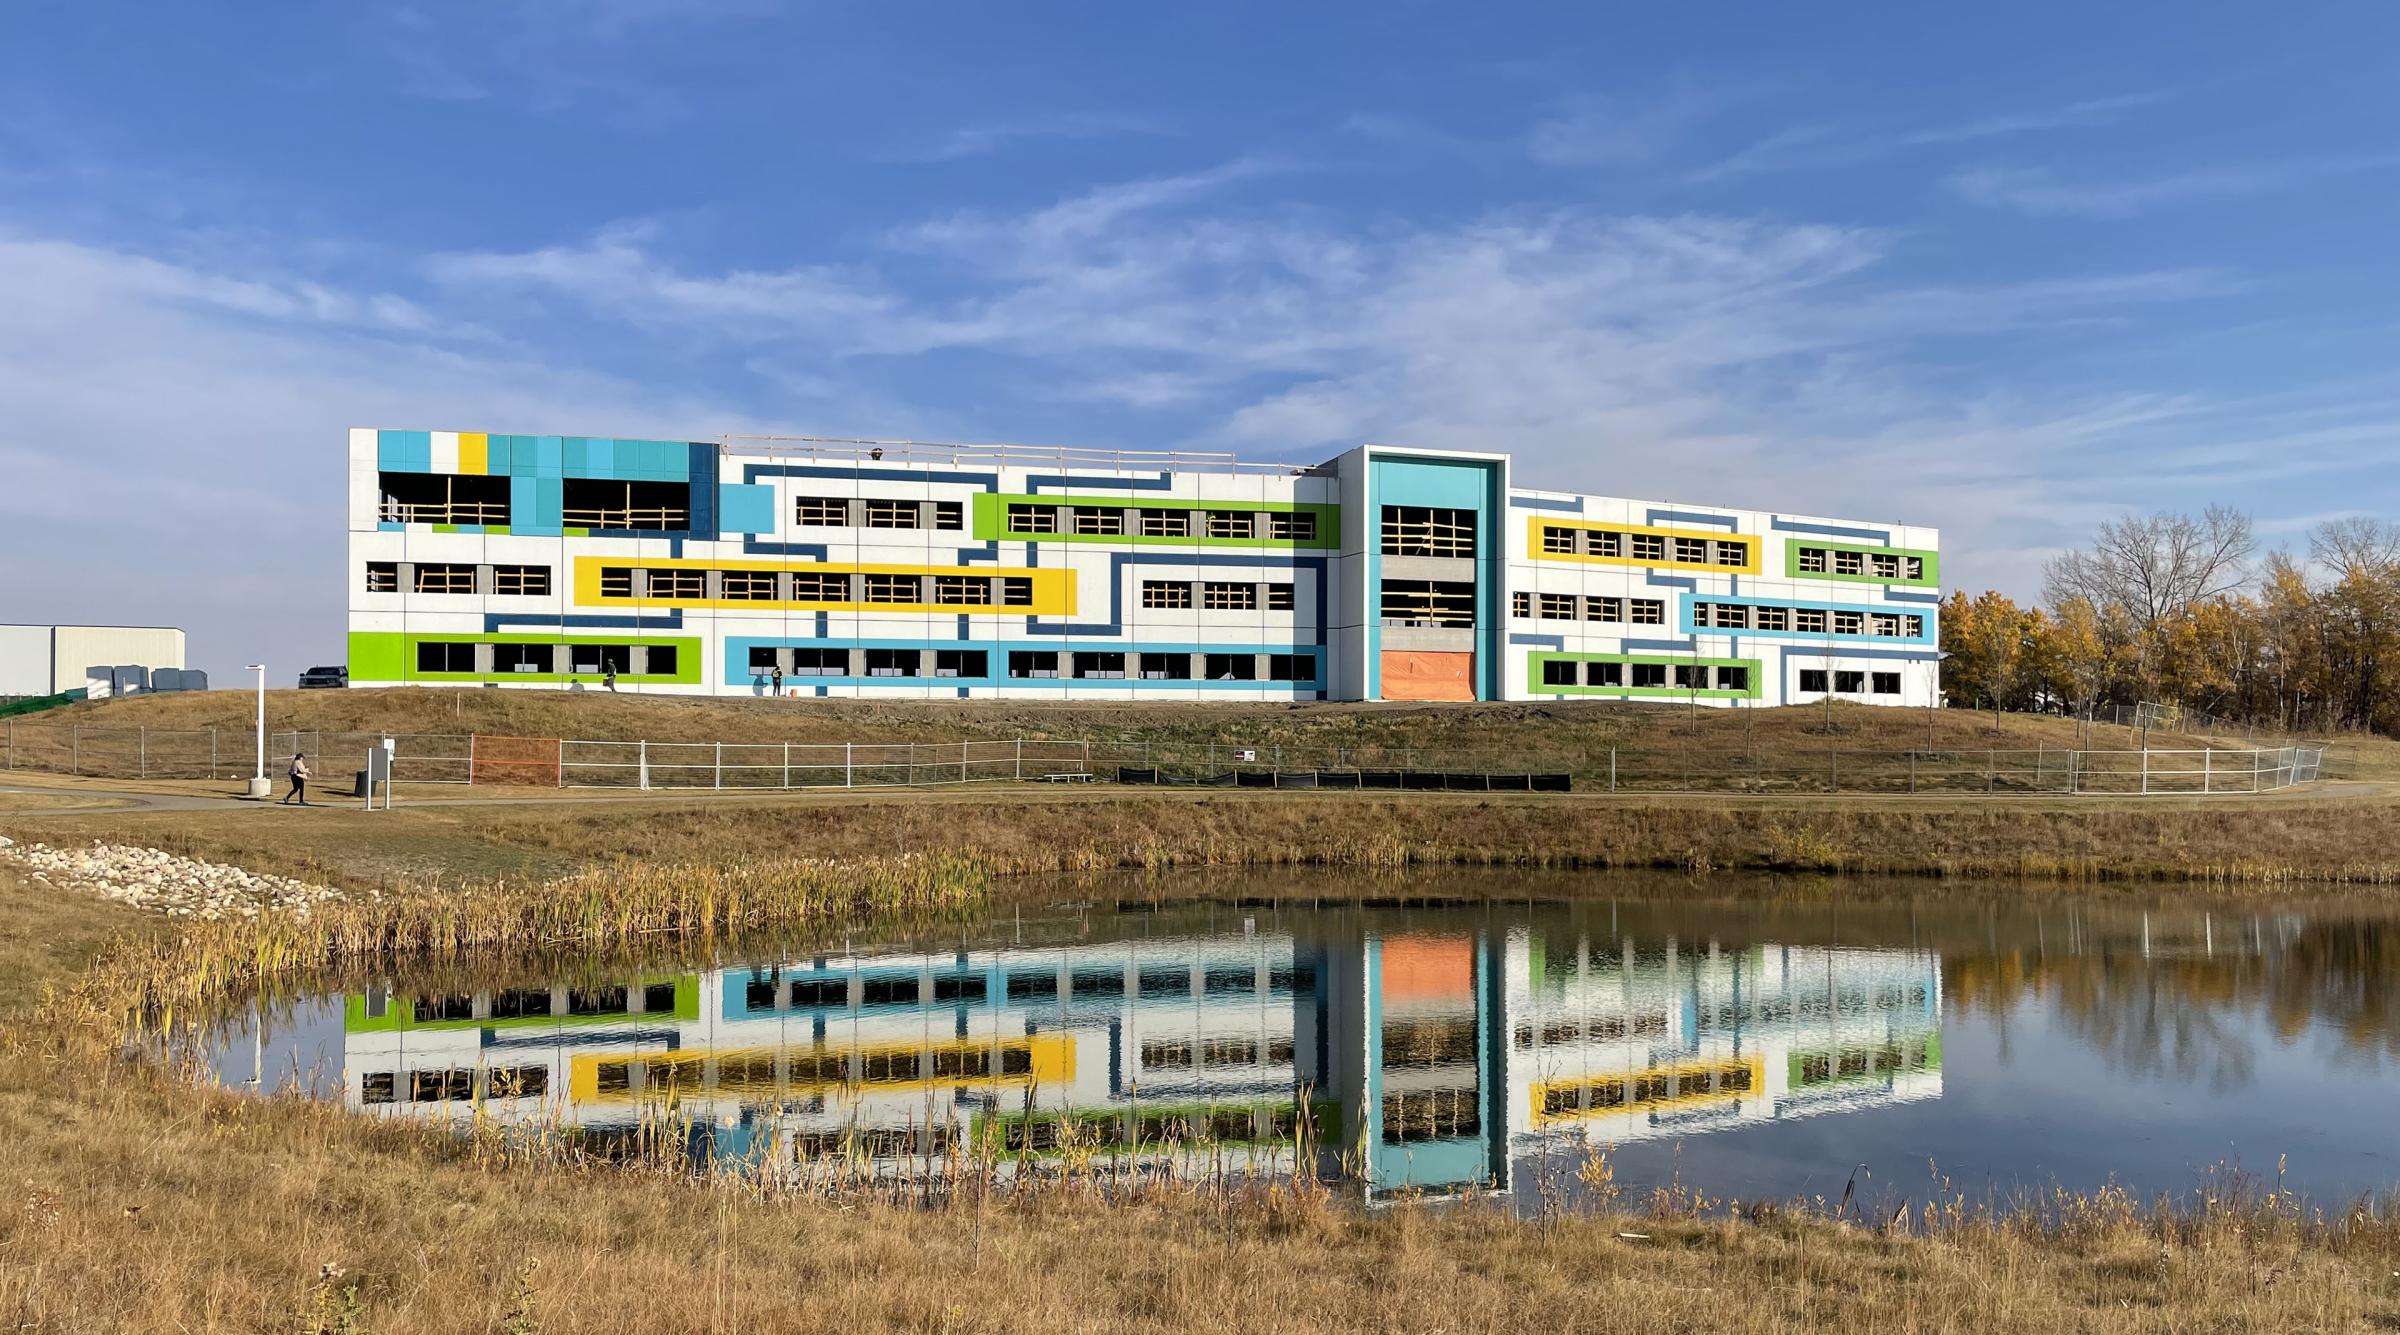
(401, 1013)
(1535, 684)
(1932, 577)
(393, 655)
(990, 521)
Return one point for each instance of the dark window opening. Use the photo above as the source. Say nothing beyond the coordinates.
(654, 507)
(524, 657)
(437, 657)
(442, 498)
(1022, 663)
(1292, 667)
(1231, 667)
(601, 658)
(960, 662)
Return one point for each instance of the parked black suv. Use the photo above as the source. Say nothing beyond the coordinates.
(324, 677)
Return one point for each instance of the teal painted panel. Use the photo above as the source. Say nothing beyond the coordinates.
(600, 456)
(578, 456)
(1452, 486)
(662, 461)
(549, 456)
(745, 508)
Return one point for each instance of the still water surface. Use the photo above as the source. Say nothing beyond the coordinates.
(1752, 1046)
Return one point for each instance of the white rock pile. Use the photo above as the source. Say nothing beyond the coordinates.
(155, 879)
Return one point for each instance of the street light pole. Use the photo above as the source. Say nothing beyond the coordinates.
(259, 787)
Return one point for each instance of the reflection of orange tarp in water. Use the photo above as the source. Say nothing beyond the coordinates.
(1428, 968)
(1422, 674)
(513, 760)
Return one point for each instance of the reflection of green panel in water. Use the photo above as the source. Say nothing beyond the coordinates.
(1821, 1068)
(1103, 1129)
(401, 1013)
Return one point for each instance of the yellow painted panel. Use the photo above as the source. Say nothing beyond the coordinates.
(1053, 587)
(1533, 546)
(1755, 1066)
(1052, 1063)
(474, 452)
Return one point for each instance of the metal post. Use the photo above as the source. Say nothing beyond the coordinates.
(642, 762)
(2254, 769)
(212, 753)
(141, 743)
(2207, 765)
(787, 764)
(75, 750)
(1612, 769)
(848, 769)
(2145, 769)
(962, 762)
(720, 766)
(1021, 757)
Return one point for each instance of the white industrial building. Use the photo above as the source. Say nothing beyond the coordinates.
(49, 660)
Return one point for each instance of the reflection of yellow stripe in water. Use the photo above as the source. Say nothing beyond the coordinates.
(1647, 1090)
(1041, 1059)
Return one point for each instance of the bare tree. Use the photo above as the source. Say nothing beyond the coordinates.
(2157, 566)
(2153, 568)
(2359, 545)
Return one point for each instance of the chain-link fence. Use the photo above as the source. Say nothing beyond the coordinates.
(2154, 771)
(419, 758)
(739, 765)
(219, 753)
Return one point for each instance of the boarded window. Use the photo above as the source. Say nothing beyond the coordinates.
(895, 589)
(810, 586)
(821, 511)
(962, 590)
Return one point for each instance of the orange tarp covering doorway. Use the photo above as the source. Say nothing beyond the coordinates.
(1421, 674)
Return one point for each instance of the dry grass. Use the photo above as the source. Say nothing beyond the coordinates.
(141, 1202)
(2238, 842)
(1545, 734)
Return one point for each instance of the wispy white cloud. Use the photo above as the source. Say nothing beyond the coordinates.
(1824, 145)
(1591, 130)
(976, 141)
(2038, 190)
(616, 273)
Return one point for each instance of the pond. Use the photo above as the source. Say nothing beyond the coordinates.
(1430, 1036)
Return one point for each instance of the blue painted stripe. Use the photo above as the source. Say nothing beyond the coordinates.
(1116, 482)
(1572, 505)
(1831, 530)
(1540, 641)
(1661, 516)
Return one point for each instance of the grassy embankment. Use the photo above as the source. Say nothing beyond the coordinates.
(141, 1202)
(2252, 843)
(1655, 747)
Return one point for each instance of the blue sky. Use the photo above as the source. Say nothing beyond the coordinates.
(2007, 271)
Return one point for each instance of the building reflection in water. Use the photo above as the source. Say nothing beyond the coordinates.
(1426, 1061)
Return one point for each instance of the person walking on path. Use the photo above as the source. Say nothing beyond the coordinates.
(299, 775)
(608, 677)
